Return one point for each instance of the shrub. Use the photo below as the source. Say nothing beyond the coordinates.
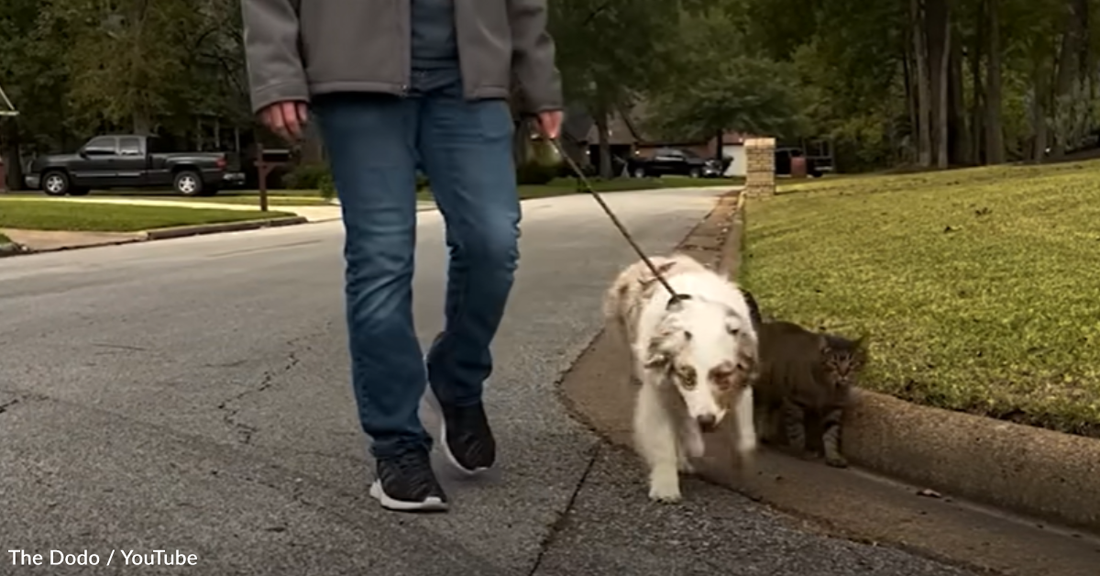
(306, 177)
(534, 173)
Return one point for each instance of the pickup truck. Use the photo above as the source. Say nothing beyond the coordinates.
(130, 161)
(673, 161)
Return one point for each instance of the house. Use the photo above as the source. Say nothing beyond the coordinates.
(627, 138)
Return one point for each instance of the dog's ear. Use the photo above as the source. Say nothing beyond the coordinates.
(657, 359)
(664, 346)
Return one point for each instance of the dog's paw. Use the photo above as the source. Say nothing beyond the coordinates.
(664, 488)
(685, 466)
(837, 461)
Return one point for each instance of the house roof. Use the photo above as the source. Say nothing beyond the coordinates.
(629, 128)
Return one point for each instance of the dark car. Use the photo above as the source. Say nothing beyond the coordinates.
(674, 161)
(130, 161)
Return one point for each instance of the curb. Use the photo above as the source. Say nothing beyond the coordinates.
(184, 231)
(1033, 471)
(166, 234)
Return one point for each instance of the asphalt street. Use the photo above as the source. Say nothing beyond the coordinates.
(192, 395)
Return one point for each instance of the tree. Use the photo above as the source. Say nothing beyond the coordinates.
(609, 52)
(748, 94)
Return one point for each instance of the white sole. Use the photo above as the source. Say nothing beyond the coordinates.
(443, 439)
(447, 450)
(431, 504)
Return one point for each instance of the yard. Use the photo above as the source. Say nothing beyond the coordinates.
(556, 187)
(38, 214)
(979, 289)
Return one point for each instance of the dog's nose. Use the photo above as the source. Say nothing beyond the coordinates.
(707, 422)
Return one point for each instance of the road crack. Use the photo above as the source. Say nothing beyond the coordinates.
(20, 398)
(559, 523)
(245, 432)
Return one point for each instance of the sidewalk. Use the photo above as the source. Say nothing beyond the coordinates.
(311, 213)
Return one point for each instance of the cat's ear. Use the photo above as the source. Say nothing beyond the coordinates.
(823, 345)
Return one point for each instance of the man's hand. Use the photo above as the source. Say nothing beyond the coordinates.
(287, 119)
(550, 123)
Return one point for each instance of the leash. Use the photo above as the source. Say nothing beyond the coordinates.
(676, 296)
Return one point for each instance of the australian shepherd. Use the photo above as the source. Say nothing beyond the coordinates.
(694, 355)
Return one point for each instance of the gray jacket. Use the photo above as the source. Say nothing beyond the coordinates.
(299, 48)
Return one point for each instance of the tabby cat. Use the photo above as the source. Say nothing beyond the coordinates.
(805, 375)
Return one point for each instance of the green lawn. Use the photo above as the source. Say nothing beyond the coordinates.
(90, 217)
(564, 186)
(979, 288)
(557, 187)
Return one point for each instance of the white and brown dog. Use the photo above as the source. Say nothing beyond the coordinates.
(695, 356)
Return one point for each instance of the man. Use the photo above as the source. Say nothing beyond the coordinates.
(397, 86)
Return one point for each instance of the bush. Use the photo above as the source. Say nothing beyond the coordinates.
(534, 174)
(306, 177)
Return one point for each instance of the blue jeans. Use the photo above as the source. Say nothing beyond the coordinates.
(375, 145)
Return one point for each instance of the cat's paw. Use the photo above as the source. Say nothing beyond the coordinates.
(837, 461)
(685, 466)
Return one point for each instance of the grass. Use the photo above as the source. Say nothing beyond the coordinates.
(978, 288)
(88, 217)
(557, 187)
(565, 186)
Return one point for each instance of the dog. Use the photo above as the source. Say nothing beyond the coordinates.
(694, 356)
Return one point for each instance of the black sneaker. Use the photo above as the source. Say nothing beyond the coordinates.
(406, 483)
(466, 438)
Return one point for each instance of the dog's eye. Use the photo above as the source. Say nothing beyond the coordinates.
(687, 377)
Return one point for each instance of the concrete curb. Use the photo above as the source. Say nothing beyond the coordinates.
(1033, 471)
(184, 231)
(167, 234)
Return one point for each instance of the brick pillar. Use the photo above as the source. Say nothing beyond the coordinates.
(760, 172)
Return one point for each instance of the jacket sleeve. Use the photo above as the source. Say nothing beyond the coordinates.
(533, 56)
(275, 70)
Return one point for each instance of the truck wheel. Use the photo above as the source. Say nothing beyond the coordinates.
(695, 173)
(639, 172)
(188, 183)
(55, 183)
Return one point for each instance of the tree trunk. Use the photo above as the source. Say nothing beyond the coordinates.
(977, 113)
(994, 132)
(924, 88)
(910, 99)
(938, 26)
(9, 155)
(961, 149)
(142, 123)
(1067, 72)
(1040, 91)
(605, 145)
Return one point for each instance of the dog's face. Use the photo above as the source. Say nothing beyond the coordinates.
(708, 353)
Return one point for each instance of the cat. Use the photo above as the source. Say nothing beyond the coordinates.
(806, 375)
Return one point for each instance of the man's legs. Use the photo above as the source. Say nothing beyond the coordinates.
(467, 152)
(371, 140)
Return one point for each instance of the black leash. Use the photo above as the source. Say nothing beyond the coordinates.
(676, 297)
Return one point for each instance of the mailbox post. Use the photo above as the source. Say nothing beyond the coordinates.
(264, 168)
